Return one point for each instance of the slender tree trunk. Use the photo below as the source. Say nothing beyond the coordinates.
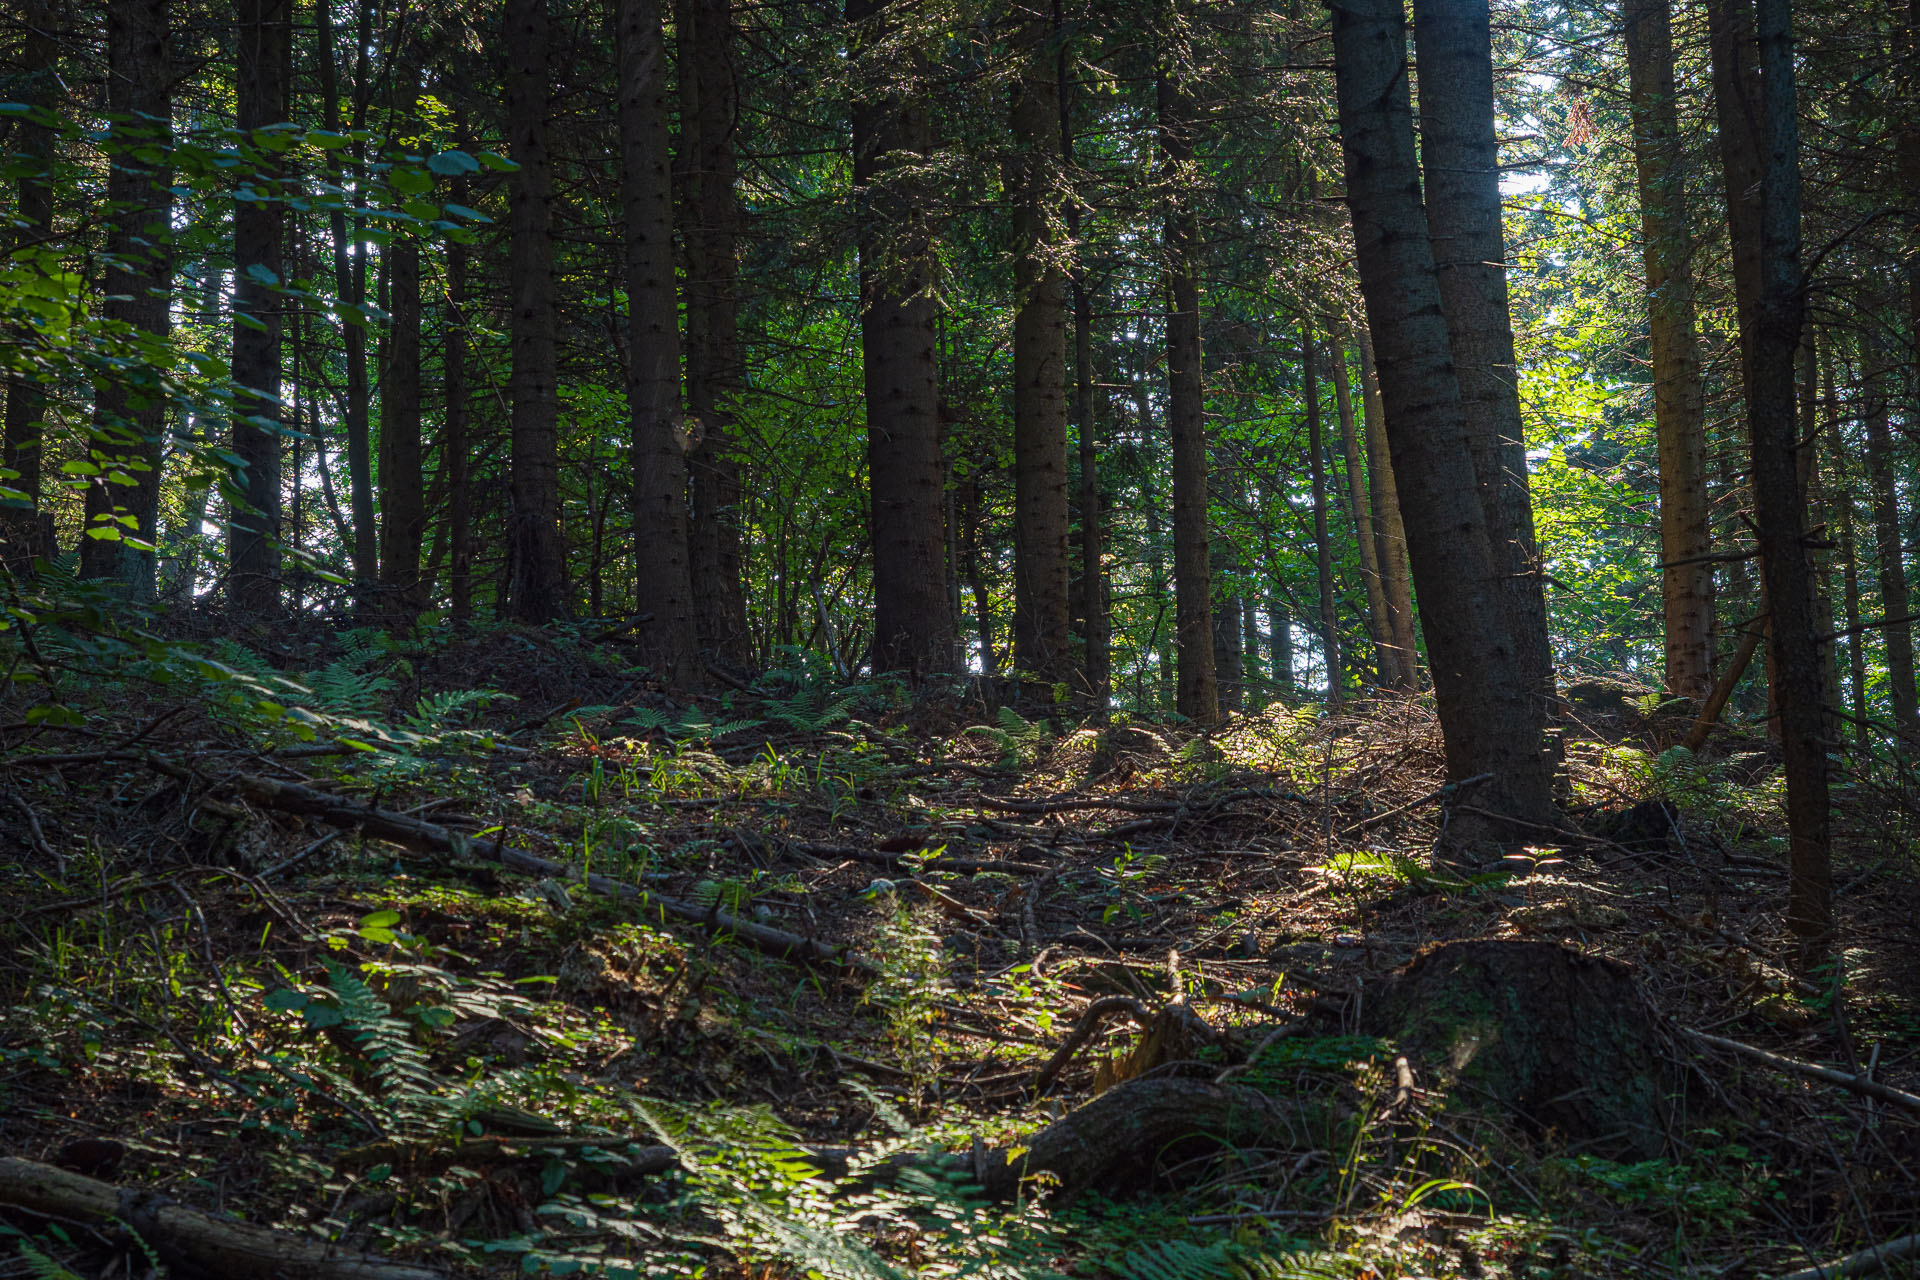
(663, 572)
(1229, 663)
(710, 210)
(1252, 674)
(1895, 598)
(1386, 657)
(1737, 112)
(1097, 624)
(403, 503)
(21, 437)
(1041, 609)
(1390, 533)
(1686, 534)
(1777, 497)
(1460, 152)
(537, 590)
(1480, 687)
(130, 412)
(1817, 503)
(970, 521)
(1280, 640)
(913, 624)
(350, 283)
(259, 230)
(1322, 541)
(1850, 585)
(454, 441)
(1198, 696)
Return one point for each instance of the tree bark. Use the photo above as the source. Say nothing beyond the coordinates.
(259, 230)
(913, 620)
(1480, 689)
(1097, 623)
(1686, 535)
(403, 501)
(1197, 695)
(710, 212)
(1777, 497)
(1460, 152)
(1390, 531)
(21, 436)
(130, 412)
(1737, 110)
(1041, 606)
(454, 442)
(1322, 541)
(537, 577)
(669, 639)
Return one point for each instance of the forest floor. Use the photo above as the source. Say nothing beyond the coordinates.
(866, 925)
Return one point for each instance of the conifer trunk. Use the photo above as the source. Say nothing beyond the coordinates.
(259, 228)
(663, 579)
(537, 579)
(1479, 688)
(1096, 623)
(1460, 152)
(1897, 633)
(1386, 657)
(403, 504)
(1198, 696)
(913, 621)
(1390, 531)
(1686, 537)
(129, 420)
(454, 443)
(1322, 541)
(1041, 608)
(20, 438)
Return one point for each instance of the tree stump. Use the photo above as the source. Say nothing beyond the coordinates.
(1563, 1042)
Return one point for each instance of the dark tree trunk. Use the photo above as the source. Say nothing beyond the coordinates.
(1041, 610)
(350, 282)
(1097, 624)
(1777, 498)
(1198, 691)
(537, 583)
(913, 621)
(259, 229)
(1386, 657)
(403, 500)
(1850, 585)
(663, 573)
(710, 213)
(1686, 534)
(1737, 111)
(1461, 156)
(20, 440)
(1895, 599)
(1389, 530)
(1479, 686)
(454, 442)
(970, 521)
(130, 413)
(1322, 542)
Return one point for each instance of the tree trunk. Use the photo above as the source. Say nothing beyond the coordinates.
(350, 283)
(259, 229)
(1777, 497)
(537, 577)
(711, 214)
(1097, 624)
(1198, 690)
(1386, 657)
(669, 639)
(130, 412)
(454, 442)
(1895, 600)
(1041, 608)
(913, 622)
(1460, 152)
(1479, 686)
(1737, 107)
(1686, 535)
(1850, 588)
(403, 503)
(21, 437)
(1390, 532)
(1322, 542)
(970, 521)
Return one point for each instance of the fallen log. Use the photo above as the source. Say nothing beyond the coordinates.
(190, 1240)
(1867, 1262)
(430, 837)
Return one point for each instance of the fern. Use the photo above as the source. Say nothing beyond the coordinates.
(407, 1083)
(435, 711)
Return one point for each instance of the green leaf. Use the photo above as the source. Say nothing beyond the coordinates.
(409, 182)
(287, 1000)
(471, 215)
(450, 164)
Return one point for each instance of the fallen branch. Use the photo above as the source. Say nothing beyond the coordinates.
(1083, 1031)
(1814, 1071)
(431, 837)
(1446, 789)
(1723, 690)
(188, 1239)
(1868, 1261)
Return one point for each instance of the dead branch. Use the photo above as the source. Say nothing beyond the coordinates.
(189, 1239)
(1083, 1031)
(1868, 1261)
(1446, 789)
(1813, 1071)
